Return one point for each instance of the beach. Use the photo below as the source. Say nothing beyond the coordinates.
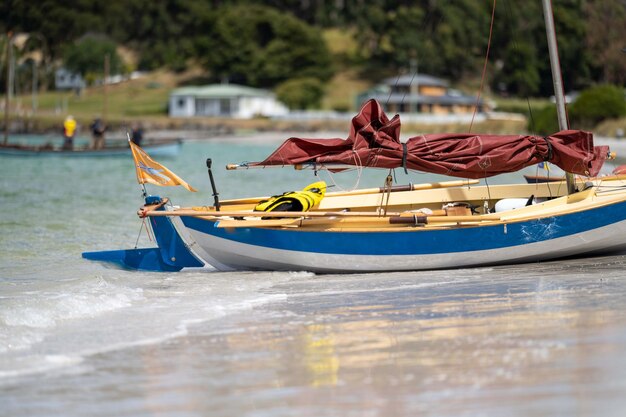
(78, 338)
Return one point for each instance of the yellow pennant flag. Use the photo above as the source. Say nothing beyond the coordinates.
(151, 172)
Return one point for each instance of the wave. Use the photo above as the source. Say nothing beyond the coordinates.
(46, 308)
(57, 325)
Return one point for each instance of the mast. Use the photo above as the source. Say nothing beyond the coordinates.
(556, 79)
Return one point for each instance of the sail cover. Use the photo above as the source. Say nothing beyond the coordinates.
(374, 141)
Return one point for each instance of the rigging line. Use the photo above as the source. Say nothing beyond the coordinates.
(416, 72)
(548, 186)
(391, 90)
(532, 125)
(482, 78)
(139, 234)
(425, 22)
(508, 14)
(388, 184)
(532, 119)
(358, 168)
(488, 195)
(410, 84)
(150, 238)
(537, 182)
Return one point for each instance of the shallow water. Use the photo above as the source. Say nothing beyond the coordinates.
(80, 339)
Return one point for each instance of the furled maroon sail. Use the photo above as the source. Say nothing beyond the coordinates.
(374, 141)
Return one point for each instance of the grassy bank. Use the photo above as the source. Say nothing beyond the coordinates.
(145, 100)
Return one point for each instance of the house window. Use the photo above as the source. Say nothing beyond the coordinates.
(225, 107)
(181, 103)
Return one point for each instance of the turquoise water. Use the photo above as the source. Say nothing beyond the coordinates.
(80, 339)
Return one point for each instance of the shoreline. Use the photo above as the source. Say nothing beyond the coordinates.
(493, 123)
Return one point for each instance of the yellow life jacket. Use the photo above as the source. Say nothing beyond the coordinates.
(69, 126)
(303, 200)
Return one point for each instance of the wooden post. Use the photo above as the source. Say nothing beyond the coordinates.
(34, 92)
(8, 90)
(104, 86)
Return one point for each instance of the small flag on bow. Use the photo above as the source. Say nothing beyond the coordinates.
(151, 172)
(544, 165)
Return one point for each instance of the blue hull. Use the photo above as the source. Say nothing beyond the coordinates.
(170, 256)
(602, 229)
(191, 242)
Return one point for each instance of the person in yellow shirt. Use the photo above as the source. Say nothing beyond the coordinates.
(69, 130)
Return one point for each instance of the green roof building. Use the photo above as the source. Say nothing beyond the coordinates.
(224, 100)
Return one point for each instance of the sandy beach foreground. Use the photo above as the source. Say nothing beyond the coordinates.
(535, 340)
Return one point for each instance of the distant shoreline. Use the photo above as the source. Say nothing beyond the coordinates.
(198, 128)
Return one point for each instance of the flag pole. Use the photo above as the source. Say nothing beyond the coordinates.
(143, 187)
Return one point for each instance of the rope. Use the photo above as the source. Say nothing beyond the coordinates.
(148, 232)
(410, 84)
(143, 224)
(359, 170)
(404, 155)
(391, 90)
(482, 78)
(388, 184)
(549, 156)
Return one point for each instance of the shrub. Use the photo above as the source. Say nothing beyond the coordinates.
(301, 93)
(597, 104)
(544, 121)
(86, 57)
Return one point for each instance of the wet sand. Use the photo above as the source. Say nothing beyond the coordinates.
(531, 340)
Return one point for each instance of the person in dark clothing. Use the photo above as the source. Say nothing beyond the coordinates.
(97, 130)
(136, 135)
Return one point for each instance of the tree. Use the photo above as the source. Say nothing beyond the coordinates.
(445, 38)
(520, 73)
(261, 46)
(570, 29)
(86, 57)
(544, 121)
(163, 32)
(606, 21)
(301, 93)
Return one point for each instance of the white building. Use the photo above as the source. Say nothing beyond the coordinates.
(66, 80)
(224, 100)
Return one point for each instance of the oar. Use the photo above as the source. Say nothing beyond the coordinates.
(375, 190)
(417, 220)
(302, 222)
(212, 213)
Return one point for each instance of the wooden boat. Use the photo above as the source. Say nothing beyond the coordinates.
(162, 148)
(449, 224)
(533, 179)
(417, 232)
